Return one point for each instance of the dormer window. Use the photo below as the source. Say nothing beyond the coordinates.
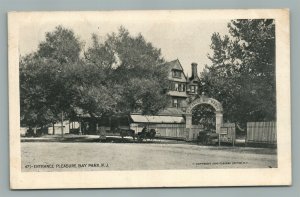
(177, 73)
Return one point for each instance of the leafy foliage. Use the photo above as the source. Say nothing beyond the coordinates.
(133, 72)
(204, 115)
(36, 87)
(120, 75)
(242, 73)
(60, 45)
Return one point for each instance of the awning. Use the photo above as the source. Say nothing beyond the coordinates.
(156, 119)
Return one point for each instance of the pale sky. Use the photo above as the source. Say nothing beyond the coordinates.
(186, 38)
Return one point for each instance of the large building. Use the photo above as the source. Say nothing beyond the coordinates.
(182, 88)
(170, 122)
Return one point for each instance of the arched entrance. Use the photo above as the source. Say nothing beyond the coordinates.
(204, 100)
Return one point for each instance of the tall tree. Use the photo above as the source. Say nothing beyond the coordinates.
(242, 73)
(45, 87)
(120, 75)
(35, 89)
(133, 71)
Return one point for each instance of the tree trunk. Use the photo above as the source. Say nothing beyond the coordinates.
(110, 124)
(34, 130)
(80, 127)
(62, 124)
(69, 126)
(53, 129)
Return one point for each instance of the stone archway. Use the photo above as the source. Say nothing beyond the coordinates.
(204, 100)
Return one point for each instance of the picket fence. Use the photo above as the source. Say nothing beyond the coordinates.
(261, 132)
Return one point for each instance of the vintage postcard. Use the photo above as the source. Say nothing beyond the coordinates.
(149, 98)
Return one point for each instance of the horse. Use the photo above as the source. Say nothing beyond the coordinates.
(127, 132)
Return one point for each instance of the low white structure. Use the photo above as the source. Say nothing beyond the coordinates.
(67, 126)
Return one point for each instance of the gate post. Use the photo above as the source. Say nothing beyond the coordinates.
(219, 121)
(188, 126)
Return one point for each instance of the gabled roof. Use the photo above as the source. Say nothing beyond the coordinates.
(175, 65)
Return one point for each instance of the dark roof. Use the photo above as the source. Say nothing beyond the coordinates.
(175, 65)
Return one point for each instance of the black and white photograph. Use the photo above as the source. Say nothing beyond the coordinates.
(149, 98)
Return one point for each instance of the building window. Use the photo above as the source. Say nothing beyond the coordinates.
(175, 103)
(193, 89)
(177, 74)
(176, 86)
(181, 87)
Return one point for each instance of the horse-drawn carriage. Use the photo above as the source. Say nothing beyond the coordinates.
(207, 137)
(143, 135)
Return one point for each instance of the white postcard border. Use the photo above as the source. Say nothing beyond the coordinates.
(157, 178)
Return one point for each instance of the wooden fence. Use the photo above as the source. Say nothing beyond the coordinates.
(179, 131)
(171, 131)
(261, 133)
(176, 131)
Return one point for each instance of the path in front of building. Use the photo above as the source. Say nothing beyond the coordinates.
(83, 156)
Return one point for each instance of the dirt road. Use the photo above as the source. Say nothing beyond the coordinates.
(58, 156)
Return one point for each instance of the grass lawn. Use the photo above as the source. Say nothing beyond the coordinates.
(79, 156)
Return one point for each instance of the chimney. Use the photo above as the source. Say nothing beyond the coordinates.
(194, 71)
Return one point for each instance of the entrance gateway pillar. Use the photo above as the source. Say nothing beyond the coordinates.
(219, 121)
(188, 123)
(203, 100)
